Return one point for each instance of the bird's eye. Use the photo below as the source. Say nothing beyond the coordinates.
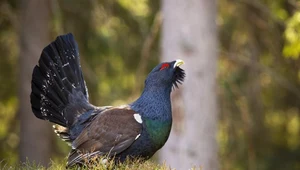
(164, 66)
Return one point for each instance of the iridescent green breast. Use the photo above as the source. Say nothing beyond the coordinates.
(158, 131)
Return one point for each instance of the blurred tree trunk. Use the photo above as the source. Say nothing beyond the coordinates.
(35, 134)
(189, 33)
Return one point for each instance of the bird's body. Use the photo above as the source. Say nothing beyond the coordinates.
(139, 129)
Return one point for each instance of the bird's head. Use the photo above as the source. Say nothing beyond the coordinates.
(166, 75)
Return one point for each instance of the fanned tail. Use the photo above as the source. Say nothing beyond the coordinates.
(59, 93)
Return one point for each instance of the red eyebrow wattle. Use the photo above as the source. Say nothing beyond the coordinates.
(164, 65)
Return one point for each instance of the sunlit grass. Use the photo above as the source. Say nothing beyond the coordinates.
(95, 164)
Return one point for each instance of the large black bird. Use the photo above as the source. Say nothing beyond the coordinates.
(139, 129)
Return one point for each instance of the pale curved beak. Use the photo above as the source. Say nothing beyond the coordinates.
(178, 63)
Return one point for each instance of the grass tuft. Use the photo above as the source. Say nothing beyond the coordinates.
(103, 163)
(94, 164)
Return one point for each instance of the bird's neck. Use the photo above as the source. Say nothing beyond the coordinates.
(154, 104)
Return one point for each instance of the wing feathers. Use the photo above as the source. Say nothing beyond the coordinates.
(111, 132)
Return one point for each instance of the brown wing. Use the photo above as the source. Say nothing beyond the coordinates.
(110, 133)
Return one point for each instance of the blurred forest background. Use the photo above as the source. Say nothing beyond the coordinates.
(119, 41)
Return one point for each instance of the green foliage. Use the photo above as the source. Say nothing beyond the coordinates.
(9, 138)
(259, 85)
(110, 36)
(292, 37)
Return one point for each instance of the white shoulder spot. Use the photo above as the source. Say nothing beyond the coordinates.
(138, 118)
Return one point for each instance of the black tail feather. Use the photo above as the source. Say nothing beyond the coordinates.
(58, 84)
